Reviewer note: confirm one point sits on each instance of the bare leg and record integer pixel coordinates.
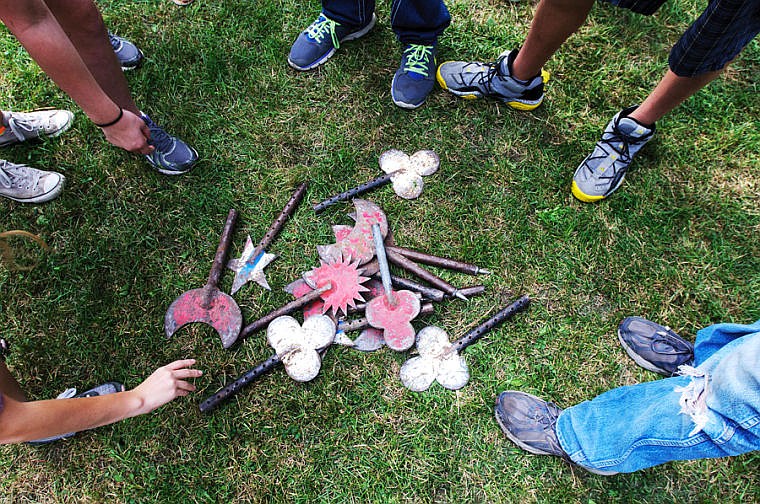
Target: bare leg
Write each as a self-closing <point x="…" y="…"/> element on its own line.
<point x="553" y="22"/>
<point x="8" y="384"/>
<point x="83" y="24"/>
<point x="669" y="93"/>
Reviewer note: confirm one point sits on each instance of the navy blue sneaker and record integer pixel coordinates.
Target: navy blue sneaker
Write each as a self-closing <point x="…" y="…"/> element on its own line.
<point x="654" y="347"/>
<point x="172" y="156"/>
<point x="128" y="54"/>
<point x="317" y="43"/>
<point x="414" y="79"/>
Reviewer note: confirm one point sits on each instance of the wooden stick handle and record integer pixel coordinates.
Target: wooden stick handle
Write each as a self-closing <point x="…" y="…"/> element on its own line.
<point x="221" y="251"/>
<point x="274" y="229"/>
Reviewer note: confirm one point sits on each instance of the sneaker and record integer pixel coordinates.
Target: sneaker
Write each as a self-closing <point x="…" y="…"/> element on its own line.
<point x="472" y="80"/>
<point x="128" y="54"/>
<point x="22" y="126"/>
<point x="654" y="347"/>
<point x="29" y="185"/>
<point x="602" y="172"/>
<point x="530" y="423"/>
<point x="104" y="389"/>
<point x="413" y="80"/>
<point x="317" y="43"/>
<point x="172" y="156"/>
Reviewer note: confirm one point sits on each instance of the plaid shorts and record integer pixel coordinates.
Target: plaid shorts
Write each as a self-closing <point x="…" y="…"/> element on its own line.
<point x="713" y="40"/>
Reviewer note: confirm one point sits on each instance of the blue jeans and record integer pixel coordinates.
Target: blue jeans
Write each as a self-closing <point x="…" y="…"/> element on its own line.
<point x="413" y="21"/>
<point x="713" y="410"/>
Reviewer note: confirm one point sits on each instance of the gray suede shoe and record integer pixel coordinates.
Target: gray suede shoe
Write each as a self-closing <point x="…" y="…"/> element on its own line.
<point x="654" y="347"/>
<point x="531" y="423"/>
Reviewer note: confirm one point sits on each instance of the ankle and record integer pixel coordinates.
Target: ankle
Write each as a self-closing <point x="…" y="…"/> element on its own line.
<point x="519" y="69"/>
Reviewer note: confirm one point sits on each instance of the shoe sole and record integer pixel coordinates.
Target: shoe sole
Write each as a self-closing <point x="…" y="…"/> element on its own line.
<point x="523" y="105"/>
<point x="580" y="195"/>
<point x="163" y="171"/>
<point x="348" y="38"/>
<point x="640" y="360"/>
<point x="587" y="198"/>
<point x="135" y="66"/>
<point x="535" y="451"/>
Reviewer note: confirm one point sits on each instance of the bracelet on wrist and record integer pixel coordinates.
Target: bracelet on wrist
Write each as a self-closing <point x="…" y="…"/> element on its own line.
<point x="118" y="118"/>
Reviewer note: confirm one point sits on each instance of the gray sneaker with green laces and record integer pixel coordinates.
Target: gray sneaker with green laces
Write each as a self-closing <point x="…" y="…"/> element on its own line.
<point x="22" y="126"/>
<point x="29" y="185"/>
<point x="413" y="81"/>
<point x="317" y="43"/>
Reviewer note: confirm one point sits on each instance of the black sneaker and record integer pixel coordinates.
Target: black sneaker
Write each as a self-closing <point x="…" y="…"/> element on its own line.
<point x="531" y="423"/>
<point x="654" y="347"/>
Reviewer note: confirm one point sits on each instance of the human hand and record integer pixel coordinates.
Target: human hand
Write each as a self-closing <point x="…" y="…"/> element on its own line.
<point x="130" y="133"/>
<point x="164" y="385"/>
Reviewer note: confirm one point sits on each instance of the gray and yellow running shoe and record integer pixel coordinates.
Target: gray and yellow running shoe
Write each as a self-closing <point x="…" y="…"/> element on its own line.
<point x="471" y="80"/>
<point x="602" y="172"/>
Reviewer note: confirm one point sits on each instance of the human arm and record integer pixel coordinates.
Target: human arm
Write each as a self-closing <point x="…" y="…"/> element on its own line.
<point x="26" y="421"/>
<point x="40" y="32"/>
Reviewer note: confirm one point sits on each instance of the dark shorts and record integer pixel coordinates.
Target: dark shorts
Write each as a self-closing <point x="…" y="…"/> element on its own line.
<point x="713" y="40"/>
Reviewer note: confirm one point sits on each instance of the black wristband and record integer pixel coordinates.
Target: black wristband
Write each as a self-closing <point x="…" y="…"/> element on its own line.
<point x="118" y="118"/>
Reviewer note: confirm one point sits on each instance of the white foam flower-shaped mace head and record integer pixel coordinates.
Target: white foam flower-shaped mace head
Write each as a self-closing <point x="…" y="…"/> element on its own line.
<point x="438" y="361"/>
<point x="407" y="171"/>
<point x="297" y="345"/>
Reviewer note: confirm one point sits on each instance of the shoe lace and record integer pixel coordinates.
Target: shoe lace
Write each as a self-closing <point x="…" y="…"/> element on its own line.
<point x="11" y="174"/>
<point x="618" y="145"/>
<point x="24" y="126"/>
<point x="159" y="138"/>
<point x="546" y="417"/>
<point x="115" y="42"/>
<point x="418" y="59"/>
<point x="485" y="79"/>
<point x="321" y="27"/>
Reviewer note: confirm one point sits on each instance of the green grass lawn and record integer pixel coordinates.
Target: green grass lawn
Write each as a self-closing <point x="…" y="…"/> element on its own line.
<point x="678" y="244"/>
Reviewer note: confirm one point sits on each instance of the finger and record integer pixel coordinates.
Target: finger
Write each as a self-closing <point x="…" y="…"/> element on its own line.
<point x="183" y="385"/>
<point x="182" y="393"/>
<point x="187" y="373"/>
<point x="178" y="364"/>
<point x="145" y="130"/>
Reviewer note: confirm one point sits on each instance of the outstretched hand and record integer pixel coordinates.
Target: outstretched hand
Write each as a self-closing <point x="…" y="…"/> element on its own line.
<point x="165" y="384"/>
<point x="130" y="133"/>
